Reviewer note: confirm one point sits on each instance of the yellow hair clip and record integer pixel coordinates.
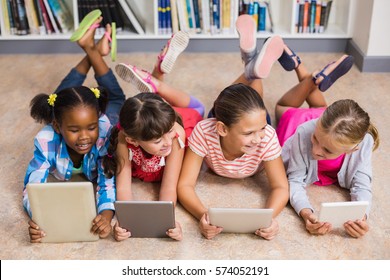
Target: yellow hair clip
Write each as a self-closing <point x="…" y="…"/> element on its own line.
<point x="52" y="99"/>
<point x="96" y="91"/>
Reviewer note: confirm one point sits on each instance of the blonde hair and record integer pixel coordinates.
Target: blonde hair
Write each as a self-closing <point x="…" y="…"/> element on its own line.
<point x="347" y="123"/>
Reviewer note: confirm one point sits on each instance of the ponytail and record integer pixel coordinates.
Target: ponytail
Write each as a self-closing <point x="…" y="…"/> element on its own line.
<point x="375" y="134"/>
<point x="40" y="109"/>
<point x="46" y="108"/>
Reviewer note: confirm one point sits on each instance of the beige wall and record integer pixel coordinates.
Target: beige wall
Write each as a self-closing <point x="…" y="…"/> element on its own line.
<point x="372" y="27"/>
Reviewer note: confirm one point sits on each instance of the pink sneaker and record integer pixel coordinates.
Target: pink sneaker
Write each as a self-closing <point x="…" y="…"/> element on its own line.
<point x="174" y="47"/>
<point x="246" y="29"/>
<point x="260" y="66"/>
<point x="129" y="74"/>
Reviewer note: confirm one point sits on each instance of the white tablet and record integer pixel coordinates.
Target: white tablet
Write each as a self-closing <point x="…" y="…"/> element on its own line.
<point x="63" y="210"/>
<point x="240" y="220"/>
<point x="337" y="213"/>
<point x="146" y="218"/>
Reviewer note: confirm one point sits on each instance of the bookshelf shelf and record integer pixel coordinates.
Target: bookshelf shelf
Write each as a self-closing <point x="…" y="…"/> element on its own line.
<point x="284" y="14"/>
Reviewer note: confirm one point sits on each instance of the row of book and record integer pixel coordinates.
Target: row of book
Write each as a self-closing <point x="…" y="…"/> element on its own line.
<point x="118" y="11"/>
<point x="22" y="17"/>
<point x="312" y="16"/>
<point x="209" y="16"/>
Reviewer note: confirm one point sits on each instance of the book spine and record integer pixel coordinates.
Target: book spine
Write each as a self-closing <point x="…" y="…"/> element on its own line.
<point x="328" y="8"/>
<point x="313" y="7"/>
<point x="256" y="11"/>
<point x="59" y="14"/>
<point x="41" y="24"/>
<point x="46" y="19"/>
<point x="305" y="16"/>
<point x="174" y="17"/>
<point x="262" y="17"/>
<point x="51" y="17"/>
<point x="196" y="16"/>
<point x="31" y="17"/>
<point x="318" y="17"/>
<point x="206" y="16"/>
<point x="169" y="17"/>
<point x="301" y="16"/>
<point x="323" y="15"/>
<point x="12" y="25"/>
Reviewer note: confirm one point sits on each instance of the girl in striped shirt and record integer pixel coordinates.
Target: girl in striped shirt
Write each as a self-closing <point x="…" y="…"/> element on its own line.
<point x="238" y="142"/>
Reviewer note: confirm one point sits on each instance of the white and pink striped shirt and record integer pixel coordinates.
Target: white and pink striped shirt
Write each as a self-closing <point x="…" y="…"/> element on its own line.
<point x="204" y="141"/>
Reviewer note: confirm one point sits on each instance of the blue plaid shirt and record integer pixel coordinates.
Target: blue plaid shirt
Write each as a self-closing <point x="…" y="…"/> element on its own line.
<point x="51" y="157"/>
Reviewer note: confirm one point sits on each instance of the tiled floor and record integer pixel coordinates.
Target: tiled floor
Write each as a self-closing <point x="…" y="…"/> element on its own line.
<point x="203" y="75"/>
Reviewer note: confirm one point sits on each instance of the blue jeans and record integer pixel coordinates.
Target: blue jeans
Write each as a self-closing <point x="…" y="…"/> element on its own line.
<point x="116" y="97"/>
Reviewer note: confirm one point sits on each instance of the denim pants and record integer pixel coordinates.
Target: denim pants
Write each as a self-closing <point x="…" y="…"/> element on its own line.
<point x="116" y="97"/>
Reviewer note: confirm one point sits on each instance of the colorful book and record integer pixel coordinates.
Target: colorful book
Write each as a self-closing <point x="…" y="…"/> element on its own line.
<point x="46" y="20"/>
<point x="313" y="7"/>
<point x="318" y="18"/>
<point x="20" y="17"/>
<point x="62" y="15"/>
<point x="195" y="7"/>
<point x="51" y="17"/>
<point x="169" y="17"/>
<point x="174" y="17"/>
<point x="262" y="17"/>
<point x="32" y="17"/>
<point x="41" y="24"/>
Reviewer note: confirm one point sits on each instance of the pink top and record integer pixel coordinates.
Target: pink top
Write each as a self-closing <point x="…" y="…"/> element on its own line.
<point x="204" y="141"/>
<point x="327" y="171"/>
<point x="292" y="118"/>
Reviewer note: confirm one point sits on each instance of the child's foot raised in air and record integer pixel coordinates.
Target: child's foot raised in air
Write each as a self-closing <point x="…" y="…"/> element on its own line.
<point x="170" y="52"/>
<point x="103" y="45"/>
<point x="141" y="79"/>
<point x="88" y="41"/>
<point x="289" y="59"/>
<point x="325" y="78"/>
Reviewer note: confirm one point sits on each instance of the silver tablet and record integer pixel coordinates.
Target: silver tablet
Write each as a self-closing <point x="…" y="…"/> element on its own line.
<point x="64" y="210"/>
<point x="337" y="213"/>
<point x="146" y="218"/>
<point x="240" y="220"/>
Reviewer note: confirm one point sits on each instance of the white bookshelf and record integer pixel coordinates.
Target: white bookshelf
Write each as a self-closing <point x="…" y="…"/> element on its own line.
<point x="283" y="13"/>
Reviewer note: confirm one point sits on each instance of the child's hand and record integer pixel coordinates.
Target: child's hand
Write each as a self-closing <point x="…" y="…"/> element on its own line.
<point x="102" y="224"/>
<point x="269" y="232"/>
<point x="175" y="233"/>
<point x="312" y="224"/>
<point x="35" y="233"/>
<point x="120" y="234"/>
<point x="208" y="230"/>
<point x="356" y="228"/>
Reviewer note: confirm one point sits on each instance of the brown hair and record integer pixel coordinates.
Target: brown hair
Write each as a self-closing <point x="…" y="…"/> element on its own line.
<point x="235" y="101"/>
<point x="145" y="117"/>
<point x="348" y="123"/>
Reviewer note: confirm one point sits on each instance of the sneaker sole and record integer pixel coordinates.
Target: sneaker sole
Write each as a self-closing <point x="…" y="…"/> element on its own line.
<point x="177" y="45"/>
<point x="246" y="28"/>
<point x="270" y="53"/>
<point x="130" y="76"/>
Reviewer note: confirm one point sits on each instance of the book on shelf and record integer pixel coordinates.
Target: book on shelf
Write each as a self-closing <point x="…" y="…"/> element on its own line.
<point x="168" y="17"/>
<point x="41" y="23"/>
<point x="312" y="15"/>
<point x="62" y="15"/>
<point x="135" y="24"/>
<point x="195" y="9"/>
<point x="46" y="20"/>
<point x="32" y="17"/>
<point x="174" y="17"/>
<point x="20" y="17"/>
<point x="51" y="17"/>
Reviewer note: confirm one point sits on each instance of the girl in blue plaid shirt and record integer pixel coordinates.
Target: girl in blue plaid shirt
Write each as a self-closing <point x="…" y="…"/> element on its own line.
<point x="74" y="139"/>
